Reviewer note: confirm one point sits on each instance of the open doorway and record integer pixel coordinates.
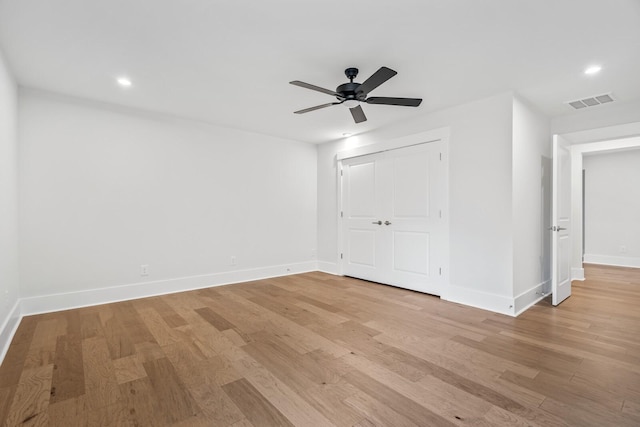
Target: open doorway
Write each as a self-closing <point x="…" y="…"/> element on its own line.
<point x="578" y="153"/>
<point x="611" y="207"/>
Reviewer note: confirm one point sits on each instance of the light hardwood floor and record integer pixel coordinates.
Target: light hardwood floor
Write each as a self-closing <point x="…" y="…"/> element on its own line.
<point x="320" y="350"/>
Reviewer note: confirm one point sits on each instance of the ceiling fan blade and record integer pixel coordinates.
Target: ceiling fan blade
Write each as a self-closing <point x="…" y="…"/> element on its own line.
<point x="406" y="102"/>
<point x="358" y="114"/>
<point x="379" y="77"/>
<point x="314" y="87"/>
<point x="317" y="107"/>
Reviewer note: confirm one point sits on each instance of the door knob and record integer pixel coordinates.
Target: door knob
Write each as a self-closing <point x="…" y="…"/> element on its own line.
<point x="387" y="223"/>
<point x="377" y="222"/>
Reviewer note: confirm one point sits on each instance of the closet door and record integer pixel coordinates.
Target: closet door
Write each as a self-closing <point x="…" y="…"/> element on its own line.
<point x="365" y="187"/>
<point x="393" y="230"/>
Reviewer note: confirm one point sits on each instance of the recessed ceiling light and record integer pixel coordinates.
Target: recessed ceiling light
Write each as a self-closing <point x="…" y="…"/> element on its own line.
<point x="594" y="69"/>
<point x="124" y="82"/>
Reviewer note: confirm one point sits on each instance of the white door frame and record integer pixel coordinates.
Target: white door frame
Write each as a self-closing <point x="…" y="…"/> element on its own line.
<point x="441" y="134"/>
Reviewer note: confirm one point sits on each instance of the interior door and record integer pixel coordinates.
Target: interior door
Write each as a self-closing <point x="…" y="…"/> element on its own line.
<point x="561" y="221"/>
<point x="362" y="232"/>
<point x="393" y="225"/>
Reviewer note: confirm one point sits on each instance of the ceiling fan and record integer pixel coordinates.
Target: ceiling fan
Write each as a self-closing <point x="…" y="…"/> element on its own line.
<point x="352" y="94"/>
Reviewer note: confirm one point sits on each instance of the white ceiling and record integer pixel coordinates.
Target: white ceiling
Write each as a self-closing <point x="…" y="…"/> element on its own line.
<point x="229" y="61"/>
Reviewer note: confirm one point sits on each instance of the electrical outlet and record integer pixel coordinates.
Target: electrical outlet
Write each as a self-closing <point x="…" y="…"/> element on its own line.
<point x="144" y="269"/>
<point x="623" y="249"/>
<point x="233" y="261"/>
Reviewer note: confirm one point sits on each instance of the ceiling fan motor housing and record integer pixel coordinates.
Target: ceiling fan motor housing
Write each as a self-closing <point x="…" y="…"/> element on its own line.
<point x="350" y="91"/>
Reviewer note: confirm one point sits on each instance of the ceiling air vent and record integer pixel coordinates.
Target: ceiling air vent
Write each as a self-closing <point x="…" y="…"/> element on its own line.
<point x="591" y="101"/>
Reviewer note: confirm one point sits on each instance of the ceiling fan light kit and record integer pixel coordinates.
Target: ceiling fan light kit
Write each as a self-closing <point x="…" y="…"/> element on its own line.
<point x="351" y="94"/>
<point x="350" y="103"/>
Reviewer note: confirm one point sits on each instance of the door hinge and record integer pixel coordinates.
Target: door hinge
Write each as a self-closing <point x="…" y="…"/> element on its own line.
<point x="341" y="172"/>
<point x="341" y="256"/>
<point x="341" y="214"/>
<point x="440" y="213"/>
<point x="440" y="156"/>
<point x="440" y="271"/>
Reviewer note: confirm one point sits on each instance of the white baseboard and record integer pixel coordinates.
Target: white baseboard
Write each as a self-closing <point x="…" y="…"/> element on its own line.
<point x="618" y="261"/>
<point x="486" y="301"/>
<point x="8" y="329"/>
<point x="577" y="274"/>
<point x="328" y="267"/>
<point x="89" y="297"/>
<point x="530" y="297"/>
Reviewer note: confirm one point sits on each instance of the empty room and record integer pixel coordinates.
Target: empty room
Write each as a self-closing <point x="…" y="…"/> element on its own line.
<point x="319" y="213"/>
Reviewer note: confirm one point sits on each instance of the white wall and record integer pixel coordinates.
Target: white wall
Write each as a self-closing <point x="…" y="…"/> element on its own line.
<point x="531" y="257"/>
<point x="480" y="213"/>
<point x="612" y="208"/>
<point x="105" y="190"/>
<point x="8" y="205"/>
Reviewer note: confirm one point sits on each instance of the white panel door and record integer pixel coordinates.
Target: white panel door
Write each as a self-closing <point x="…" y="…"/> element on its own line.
<point x="561" y="221"/>
<point x="362" y="235"/>
<point x="393" y="228"/>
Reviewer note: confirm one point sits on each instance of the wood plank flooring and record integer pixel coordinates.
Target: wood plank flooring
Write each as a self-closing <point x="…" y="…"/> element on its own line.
<point x="319" y="350"/>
